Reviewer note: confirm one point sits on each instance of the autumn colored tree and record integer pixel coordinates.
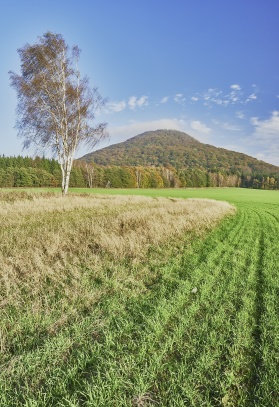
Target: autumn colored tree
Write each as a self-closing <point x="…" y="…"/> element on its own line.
<point x="55" y="105"/>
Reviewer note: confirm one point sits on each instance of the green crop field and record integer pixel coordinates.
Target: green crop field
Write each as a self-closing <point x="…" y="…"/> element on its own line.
<point x="192" y="320"/>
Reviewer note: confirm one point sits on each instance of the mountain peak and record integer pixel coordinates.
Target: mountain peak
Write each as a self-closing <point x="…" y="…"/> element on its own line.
<point x="163" y="133"/>
<point x="174" y="148"/>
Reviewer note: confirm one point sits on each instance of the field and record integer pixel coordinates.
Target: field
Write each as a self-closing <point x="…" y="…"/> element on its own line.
<point x="113" y="300"/>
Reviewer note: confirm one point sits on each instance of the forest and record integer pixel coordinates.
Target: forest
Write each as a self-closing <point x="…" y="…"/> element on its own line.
<point x="44" y="172"/>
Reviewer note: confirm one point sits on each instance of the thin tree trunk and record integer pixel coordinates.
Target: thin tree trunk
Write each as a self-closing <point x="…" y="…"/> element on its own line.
<point x="66" y="172"/>
<point x="63" y="179"/>
<point x="66" y="184"/>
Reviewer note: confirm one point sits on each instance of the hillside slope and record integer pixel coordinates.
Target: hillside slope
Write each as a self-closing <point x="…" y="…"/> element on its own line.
<point x="179" y="150"/>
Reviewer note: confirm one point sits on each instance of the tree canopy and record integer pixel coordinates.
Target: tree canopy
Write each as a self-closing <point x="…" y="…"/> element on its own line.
<point x="56" y="105"/>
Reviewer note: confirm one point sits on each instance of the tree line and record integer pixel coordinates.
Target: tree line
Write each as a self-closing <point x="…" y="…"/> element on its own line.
<point x="44" y="172"/>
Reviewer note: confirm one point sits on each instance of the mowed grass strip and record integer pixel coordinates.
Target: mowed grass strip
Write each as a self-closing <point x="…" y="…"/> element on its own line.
<point x="85" y="281"/>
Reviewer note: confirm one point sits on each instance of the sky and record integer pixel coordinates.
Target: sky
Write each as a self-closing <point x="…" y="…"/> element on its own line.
<point x="209" y="68"/>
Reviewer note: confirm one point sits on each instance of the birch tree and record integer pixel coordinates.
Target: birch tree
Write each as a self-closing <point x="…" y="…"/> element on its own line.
<point x="56" y="106"/>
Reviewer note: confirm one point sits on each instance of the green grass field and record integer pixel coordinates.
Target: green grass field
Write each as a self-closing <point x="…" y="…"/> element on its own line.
<point x="194" y="323"/>
<point x="235" y="195"/>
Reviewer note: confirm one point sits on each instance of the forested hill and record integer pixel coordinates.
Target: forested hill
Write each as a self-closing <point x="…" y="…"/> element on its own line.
<point x="156" y="159"/>
<point x="179" y="150"/>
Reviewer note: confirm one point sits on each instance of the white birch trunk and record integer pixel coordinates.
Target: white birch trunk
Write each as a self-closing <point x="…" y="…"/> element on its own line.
<point x="66" y="172"/>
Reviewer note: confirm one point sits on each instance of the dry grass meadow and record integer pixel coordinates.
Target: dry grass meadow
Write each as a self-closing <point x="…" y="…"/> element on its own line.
<point x="128" y="301"/>
<point x="45" y="237"/>
<point x="68" y="266"/>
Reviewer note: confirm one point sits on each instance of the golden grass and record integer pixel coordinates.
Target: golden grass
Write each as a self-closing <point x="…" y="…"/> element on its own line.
<point x="46" y="240"/>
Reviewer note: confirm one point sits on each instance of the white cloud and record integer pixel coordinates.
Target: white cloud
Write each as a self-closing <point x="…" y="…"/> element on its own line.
<point x="267" y="129"/>
<point x="234" y="95"/>
<point x="218" y="101"/>
<point x="235" y="87"/>
<point x="194" y="98"/>
<point x="178" y="98"/>
<point x="234" y="98"/>
<point x="200" y="127"/>
<point x="117" y="106"/>
<point x="133" y="102"/>
<point x="216" y="97"/>
<point x="164" y="100"/>
<point x="266" y="135"/>
<point x="211" y="93"/>
<point x="253" y="96"/>
<point x="142" y="101"/>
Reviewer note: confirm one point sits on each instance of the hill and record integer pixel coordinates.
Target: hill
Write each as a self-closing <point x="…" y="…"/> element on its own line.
<point x="171" y="148"/>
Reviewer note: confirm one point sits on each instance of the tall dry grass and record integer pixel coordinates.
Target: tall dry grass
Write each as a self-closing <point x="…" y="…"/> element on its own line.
<point x="43" y="237"/>
<point x="59" y="258"/>
<point x="53" y="250"/>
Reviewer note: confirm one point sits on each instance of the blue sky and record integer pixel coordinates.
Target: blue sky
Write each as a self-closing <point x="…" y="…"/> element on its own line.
<point x="206" y="67"/>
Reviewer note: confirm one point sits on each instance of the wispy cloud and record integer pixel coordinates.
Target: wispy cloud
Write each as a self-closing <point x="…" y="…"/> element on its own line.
<point x="213" y="96"/>
<point x="235" y="87"/>
<point x="133" y="102"/>
<point x="178" y="98"/>
<point x="236" y="95"/>
<point x="253" y="96"/>
<point x="267" y="129"/>
<point x="116" y="106"/>
<point x="266" y="134"/>
<point x="143" y="101"/>
<point x="200" y="127"/>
